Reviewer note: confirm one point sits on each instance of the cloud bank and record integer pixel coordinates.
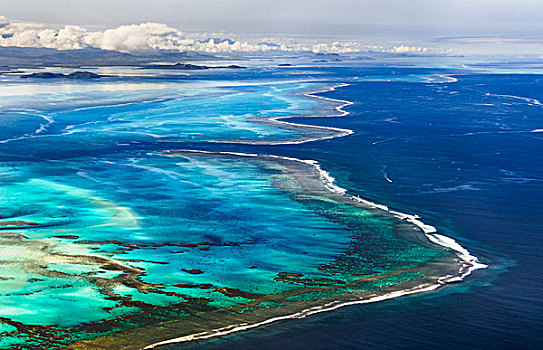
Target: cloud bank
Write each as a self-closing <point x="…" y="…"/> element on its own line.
<point x="156" y="36"/>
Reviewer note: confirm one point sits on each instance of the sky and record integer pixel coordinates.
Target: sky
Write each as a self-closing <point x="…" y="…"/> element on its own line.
<point x="338" y="26"/>
<point x="337" y="17"/>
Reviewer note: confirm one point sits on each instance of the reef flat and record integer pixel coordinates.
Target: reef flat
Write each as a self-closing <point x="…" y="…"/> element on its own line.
<point x="113" y="237"/>
<point x="275" y="243"/>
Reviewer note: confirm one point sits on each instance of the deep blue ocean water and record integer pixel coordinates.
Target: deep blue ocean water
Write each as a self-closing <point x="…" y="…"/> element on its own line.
<point x="467" y="161"/>
<point x="464" y="155"/>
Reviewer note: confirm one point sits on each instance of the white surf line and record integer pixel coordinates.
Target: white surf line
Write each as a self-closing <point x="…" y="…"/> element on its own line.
<point x="446" y="79"/>
<point x="122" y="104"/>
<point x="529" y="100"/>
<point x="302" y="314"/>
<point x="35" y="113"/>
<point x="339" y="132"/>
<point x="430" y="231"/>
<point x="43" y="127"/>
<point x="340" y="109"/>
<point x="497" y="132"/>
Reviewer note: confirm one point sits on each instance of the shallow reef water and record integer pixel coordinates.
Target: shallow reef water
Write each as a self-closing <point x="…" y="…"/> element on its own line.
<point x="115" y="233"/>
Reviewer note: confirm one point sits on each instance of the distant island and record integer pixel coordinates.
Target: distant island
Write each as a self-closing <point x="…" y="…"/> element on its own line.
<point x="74" y="75"/>
<point x="29" y="57"/>
<point x="188" y="66"/>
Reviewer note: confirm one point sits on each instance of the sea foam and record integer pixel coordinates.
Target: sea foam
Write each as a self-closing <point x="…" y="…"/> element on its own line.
<point x="471" y="262"/>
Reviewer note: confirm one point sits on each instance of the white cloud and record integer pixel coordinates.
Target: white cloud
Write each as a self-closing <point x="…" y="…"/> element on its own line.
<point x="155" y="36"/>
<point x="142" y="37"/>
<point x="408" y="49"/>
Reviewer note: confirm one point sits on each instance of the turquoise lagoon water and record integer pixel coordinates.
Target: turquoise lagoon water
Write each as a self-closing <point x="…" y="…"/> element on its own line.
<point x="165" y="111"/>
<point x="103" y="233"/>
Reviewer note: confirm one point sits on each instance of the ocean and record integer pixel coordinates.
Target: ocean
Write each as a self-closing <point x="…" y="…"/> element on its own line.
<point x="466" y="156"/>
<point x="125" y="226"/>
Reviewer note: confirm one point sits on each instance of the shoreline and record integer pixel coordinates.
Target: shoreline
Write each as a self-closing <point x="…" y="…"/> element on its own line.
<point x="470" y="262"/>
<point x="333" y="132"/>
